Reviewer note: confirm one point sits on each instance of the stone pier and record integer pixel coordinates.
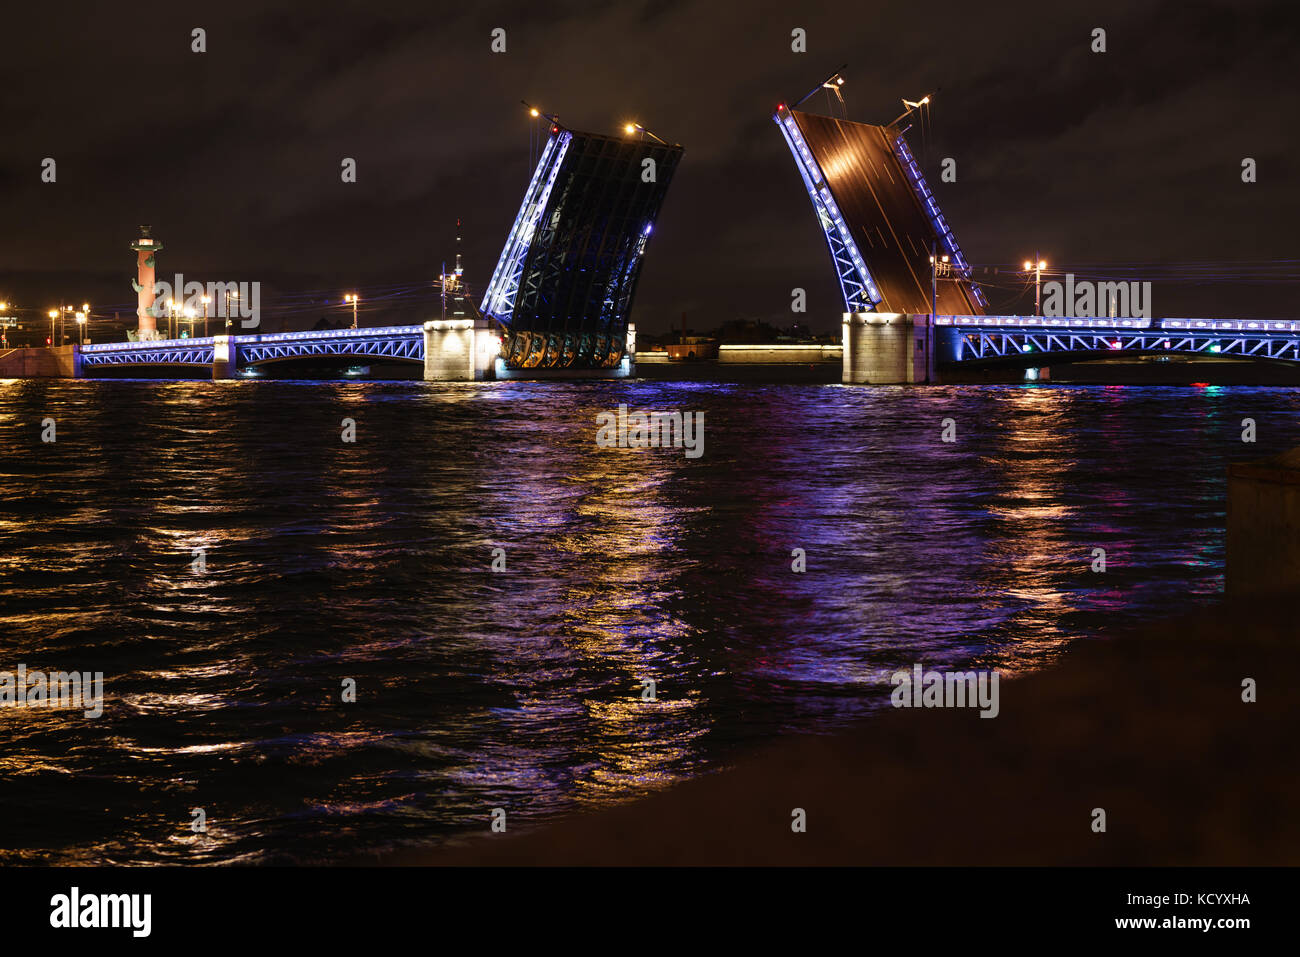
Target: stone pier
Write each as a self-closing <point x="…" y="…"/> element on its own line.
<point x="887" y="348"/>
<point x="459" y="350"/>
<point x="225" y="358"/>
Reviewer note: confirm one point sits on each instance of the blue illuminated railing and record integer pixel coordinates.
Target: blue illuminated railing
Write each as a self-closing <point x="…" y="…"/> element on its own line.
<point x="499" y="298"/>
<point x="965" y="339"/>
<point x="931" y="207"/>
<point x="390" y="342"/>
<point x="856" y="285"/>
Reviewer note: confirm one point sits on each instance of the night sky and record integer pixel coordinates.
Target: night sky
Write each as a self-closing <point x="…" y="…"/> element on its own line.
<point x="1125" y="164"/>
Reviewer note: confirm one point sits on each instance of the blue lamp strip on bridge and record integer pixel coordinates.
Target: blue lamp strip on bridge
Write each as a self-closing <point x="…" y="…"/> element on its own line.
<point x="856" y="285"/>
<point x="931" y="208"/>
<point x="499" y="299"/>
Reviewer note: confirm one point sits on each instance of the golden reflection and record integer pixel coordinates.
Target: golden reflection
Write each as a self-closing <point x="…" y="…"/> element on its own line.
<point x="1033" y="453"/>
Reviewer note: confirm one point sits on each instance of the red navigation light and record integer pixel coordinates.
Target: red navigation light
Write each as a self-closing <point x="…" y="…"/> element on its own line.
<point x="555" y="129"/>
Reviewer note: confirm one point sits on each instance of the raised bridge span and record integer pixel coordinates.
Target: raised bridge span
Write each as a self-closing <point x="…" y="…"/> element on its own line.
<point x="911" y="304"/>
<point x="558" y="304"/>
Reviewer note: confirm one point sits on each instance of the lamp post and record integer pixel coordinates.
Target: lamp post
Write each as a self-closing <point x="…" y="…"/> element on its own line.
<point x="352" y="297"/>
<point x="230" y="294"/>
<point x="189" y="315"/>
<point x="631" y="128"/>
<point x="81" y="328"/>
<point x="206" y="301"/>
<point x="54" y="314"/>
<point x="1038" y="265"/>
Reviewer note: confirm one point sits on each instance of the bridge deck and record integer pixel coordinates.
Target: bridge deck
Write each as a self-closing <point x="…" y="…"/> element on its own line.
<point x="401" y="343"/>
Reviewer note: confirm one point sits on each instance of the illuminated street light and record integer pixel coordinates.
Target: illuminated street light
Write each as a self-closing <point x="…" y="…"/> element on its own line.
<point x="1037" y="265"/>
<point x="638" y="128"/>
<point x="352" y="297"/>
<point x="207" y="300"/>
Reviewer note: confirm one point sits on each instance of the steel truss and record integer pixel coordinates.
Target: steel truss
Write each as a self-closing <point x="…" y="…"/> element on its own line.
<point x="931" y="207"/>
<point x="988" y="345"/>
<point x="499" y="298"/>
<point x="856" y="285"/>
<point x="390" y="342"/>
<point x="181" y="352"/>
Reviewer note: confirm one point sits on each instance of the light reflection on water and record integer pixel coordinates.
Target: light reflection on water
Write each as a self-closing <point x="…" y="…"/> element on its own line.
<point x="327" y="560"/>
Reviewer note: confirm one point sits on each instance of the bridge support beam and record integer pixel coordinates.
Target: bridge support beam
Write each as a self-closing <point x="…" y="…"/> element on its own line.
<point x="225" y="358"/>
<point x="459" y="350"/>
<point x="887" y="348"/>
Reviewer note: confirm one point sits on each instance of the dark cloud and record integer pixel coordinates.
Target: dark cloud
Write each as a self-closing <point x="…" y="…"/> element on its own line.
<point x="233" y="155"/>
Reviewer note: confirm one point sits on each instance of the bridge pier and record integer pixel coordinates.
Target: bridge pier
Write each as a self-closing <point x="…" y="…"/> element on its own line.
<point x="459" y="350"/>
<point x="225" y="358"/>
<point x="887" y="348"/>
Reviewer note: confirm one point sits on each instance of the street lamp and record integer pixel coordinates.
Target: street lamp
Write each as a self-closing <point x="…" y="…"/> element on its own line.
<point x="54" y="314"/>
<point x="189" y="314"/>
<point x="81" y="328"/>
<point x="230" y="294"/>
<point x="206" y="301"/>
<point x="352" y="297"/>
<point x="1038" y="265"/>
<point x="631" y="128"/>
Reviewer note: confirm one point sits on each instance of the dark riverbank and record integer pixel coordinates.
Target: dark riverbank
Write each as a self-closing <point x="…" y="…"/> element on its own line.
<point x="1150" y="726"/>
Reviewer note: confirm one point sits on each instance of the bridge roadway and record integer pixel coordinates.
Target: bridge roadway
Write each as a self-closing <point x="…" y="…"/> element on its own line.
<point x="400" y="343"/>
<point x="958" y="341"/>
<point x="993" y="340"/>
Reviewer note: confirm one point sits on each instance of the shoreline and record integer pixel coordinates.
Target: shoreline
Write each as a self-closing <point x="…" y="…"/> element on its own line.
<point x="1148" y="725"/>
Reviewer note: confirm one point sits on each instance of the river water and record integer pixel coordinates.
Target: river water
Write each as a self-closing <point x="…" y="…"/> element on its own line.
<point x="326" y="563"/>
